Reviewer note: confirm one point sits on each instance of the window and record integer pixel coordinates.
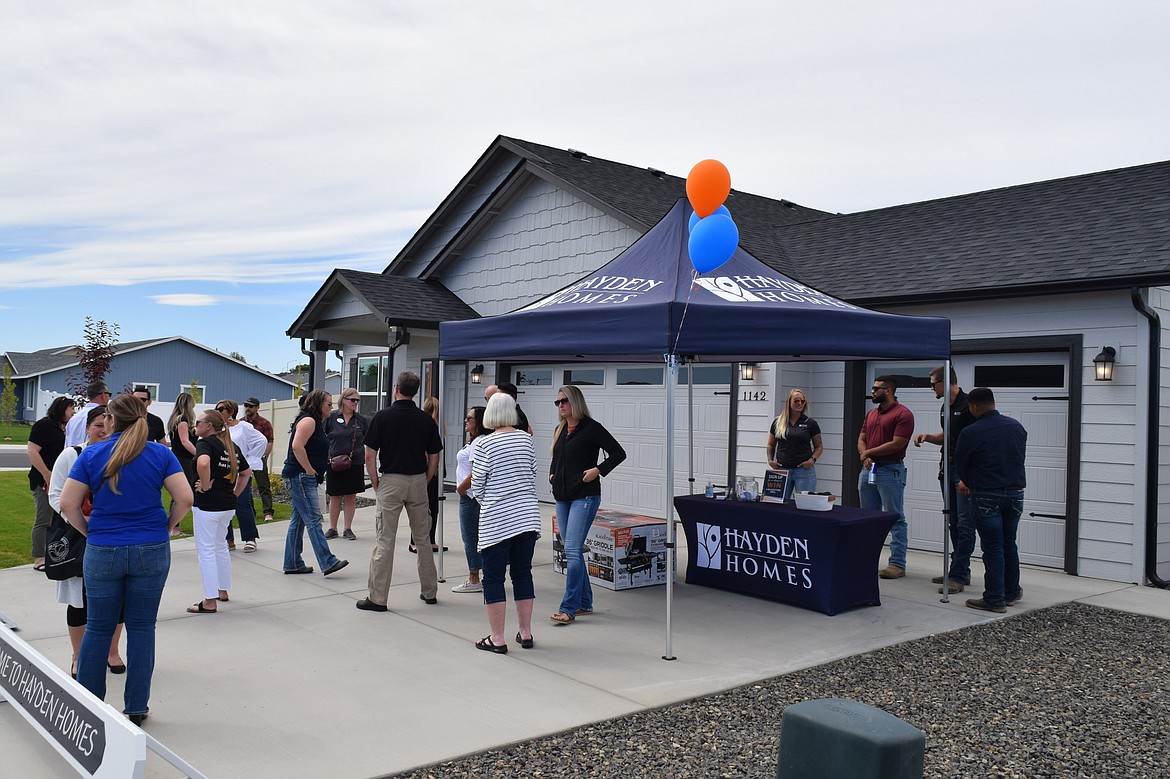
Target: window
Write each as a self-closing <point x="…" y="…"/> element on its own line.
<point x="1019" y="376"/>
<point x="586" y="377"/>
<point x="533" y="378"/>
<point x="368" y="374"/>
<point x="628" y="377"/>
<point x="151" y="387"/>
<point x="705" y="374"/>
<point x="198" y="391"/>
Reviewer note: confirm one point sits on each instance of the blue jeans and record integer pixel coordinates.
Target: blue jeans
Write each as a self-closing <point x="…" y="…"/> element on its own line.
<point x="515" y="554"/>
<point x="962" y="527"/>
<point x="306" y="515"/>
<point x="887" y="493"/>
<point x="800" y="480"/>
<point x="997" y="518"/>
<point x="115" y="577"/>
<point x="245" y="516"/>
<point x="469" y="527"/>
<point x="574" y="519"/>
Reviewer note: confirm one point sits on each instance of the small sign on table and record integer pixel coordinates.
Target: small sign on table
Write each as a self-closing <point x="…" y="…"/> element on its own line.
<point x="774" y="483"/>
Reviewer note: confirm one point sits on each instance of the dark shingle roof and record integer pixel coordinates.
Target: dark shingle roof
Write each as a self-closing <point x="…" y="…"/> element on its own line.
<point x="645" y="197"/>
<point x="408" y="301"/>
<point x="45" y="360"/>
<point x="1109" y="229"/>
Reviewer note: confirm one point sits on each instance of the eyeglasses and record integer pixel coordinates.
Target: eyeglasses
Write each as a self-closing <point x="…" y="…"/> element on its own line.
<point x="560" y="401"/>
<point x="469" y="419"/>
<point x="798" y="400"/>
<point x="221" y="409"/>
<point x="351" y="397"/>
<point x="935" y="383"/>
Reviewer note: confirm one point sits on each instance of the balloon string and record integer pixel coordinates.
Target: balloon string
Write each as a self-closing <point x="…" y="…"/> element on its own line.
<point x="683" y="318"/>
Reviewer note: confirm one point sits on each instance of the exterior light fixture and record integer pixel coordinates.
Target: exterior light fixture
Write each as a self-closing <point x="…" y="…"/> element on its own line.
<point x="747" y="371"/>
<point x="1103" y="363"/>
<point x="477" y="374"/>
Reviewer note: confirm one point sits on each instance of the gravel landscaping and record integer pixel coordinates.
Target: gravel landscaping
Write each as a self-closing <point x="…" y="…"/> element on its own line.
<point x="1067" y="691"/>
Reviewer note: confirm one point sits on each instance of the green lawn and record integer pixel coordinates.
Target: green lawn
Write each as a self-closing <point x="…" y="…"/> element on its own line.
<point x="17" y="512"/>
<point x="12" y="433"/>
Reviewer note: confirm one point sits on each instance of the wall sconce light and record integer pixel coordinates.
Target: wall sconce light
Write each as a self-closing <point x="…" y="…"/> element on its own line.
<point x="747" y="371"/>
<point x="1103" y="363"/>
<point x="477" y="374"/>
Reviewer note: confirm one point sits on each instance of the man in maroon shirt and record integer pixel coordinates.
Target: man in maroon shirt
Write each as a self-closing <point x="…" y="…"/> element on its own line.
<point x="885" y="434"/>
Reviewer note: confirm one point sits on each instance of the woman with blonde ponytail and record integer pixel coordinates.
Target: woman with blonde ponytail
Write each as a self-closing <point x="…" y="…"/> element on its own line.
<point x="223" y="473"/>
<point x="128" y="553"/>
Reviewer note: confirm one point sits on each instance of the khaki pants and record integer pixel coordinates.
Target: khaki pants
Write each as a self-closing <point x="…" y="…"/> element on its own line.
<point x="395" y="492"/>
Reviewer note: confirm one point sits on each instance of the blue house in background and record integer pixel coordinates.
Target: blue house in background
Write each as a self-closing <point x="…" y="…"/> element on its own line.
<point x="165" y="366"/>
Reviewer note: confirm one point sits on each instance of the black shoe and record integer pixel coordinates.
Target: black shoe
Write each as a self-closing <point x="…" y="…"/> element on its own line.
<point x="1019" y="597"/>
<point x="116" y="669"/>
<point x="331" y="533"/>
<point x="302" y="569"/>
<point x="429" y="601"/>
<point x="337" y="566"/>
<point x="365" y="604"/>
<point x="982" y="605"/>
<point x="526" y="643"/>
<point x="137" y="718"/>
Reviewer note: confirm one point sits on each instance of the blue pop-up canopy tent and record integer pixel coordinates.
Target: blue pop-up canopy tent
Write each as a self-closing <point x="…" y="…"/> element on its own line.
<point x="646" y="305"/>
<point x="641" y="305"/>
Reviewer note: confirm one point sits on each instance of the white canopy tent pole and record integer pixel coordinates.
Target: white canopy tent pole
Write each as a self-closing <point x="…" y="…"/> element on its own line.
<point x="690" y="427"/>
<point x="442" y="487"/>
<point x="946" y="475"/>
<point x="671" y="378"/>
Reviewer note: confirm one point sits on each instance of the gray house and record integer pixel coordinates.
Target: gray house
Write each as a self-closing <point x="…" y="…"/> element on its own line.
<point x="1037" y="280"/>
<point x="165" y="366"/>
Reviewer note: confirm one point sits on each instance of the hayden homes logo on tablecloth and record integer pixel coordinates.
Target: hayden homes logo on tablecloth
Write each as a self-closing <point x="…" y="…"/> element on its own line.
<point x="783" y="559"/>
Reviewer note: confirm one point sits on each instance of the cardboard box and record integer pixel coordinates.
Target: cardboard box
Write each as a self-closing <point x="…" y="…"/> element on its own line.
<point x="621" y="550"/>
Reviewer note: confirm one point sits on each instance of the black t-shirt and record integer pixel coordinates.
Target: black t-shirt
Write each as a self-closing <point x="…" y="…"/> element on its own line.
<point x="960" y="418"/>
<point x="48" y="435"/>
<point x="797" y="446"/>
<point x="222" y="495"/>
<point x="177" y="447"/>
<point x="403" y="435"/>
<point x="521" y="419"/>
<point x="156" y="430"/>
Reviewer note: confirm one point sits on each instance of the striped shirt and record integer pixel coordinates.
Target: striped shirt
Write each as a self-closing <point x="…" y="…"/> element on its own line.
<point x="503" y="478"/>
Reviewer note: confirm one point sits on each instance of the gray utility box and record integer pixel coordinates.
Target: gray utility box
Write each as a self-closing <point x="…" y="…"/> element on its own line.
<point x="834" y="738"/>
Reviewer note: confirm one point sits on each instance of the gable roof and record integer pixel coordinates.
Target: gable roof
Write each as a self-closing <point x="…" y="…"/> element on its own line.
<point x="635" y="196"/>
<point x="28" y="364"/>
<point x="389" y="300"/>
<point x="1109" y="229"/>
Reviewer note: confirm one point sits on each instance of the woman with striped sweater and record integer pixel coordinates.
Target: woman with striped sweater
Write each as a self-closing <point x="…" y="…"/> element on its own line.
<point x="503" y="480"/>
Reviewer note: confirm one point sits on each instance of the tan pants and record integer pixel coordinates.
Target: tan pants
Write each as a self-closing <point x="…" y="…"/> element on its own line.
<point x="396" y="491"/>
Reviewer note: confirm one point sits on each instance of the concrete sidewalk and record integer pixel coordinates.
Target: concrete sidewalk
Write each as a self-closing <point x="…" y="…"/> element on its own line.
<point x="289" y="678"/>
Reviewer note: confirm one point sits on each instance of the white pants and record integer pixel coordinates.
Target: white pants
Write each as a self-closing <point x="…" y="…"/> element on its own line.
<point x="215" y="565"/>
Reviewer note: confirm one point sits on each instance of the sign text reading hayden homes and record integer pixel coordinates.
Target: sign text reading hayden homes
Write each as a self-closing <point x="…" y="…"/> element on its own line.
<point x="779" y="558"/>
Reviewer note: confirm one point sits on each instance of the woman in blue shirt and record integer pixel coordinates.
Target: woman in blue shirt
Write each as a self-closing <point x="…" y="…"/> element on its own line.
<point x="128" y="550"/>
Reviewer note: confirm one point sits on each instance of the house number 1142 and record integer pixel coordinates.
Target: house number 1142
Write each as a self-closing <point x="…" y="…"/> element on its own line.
<point x="754" y="395"/>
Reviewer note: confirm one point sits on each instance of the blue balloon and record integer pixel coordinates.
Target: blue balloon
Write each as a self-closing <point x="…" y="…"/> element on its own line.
<point x="695" y="216"/>
<point x="712" y="242"/>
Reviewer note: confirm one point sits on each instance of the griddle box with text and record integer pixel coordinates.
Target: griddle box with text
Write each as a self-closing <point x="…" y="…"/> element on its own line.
<point x="621" y="550"/>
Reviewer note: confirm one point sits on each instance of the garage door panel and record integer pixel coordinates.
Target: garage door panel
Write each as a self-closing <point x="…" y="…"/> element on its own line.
<point x="649" y="455"/>
<point x="1046" y="429"/>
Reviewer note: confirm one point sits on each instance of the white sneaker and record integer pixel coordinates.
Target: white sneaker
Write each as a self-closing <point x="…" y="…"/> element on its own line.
<point x="468" y="586"/>
<point x="249" y="546"/>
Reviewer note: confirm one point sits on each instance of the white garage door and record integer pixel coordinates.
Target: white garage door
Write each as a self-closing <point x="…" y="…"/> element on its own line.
<point x="1032" y="388"/>
<point x="630" y="400"/>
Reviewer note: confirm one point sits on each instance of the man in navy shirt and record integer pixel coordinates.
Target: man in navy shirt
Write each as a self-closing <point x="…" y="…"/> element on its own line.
<point x="990" y="461"/>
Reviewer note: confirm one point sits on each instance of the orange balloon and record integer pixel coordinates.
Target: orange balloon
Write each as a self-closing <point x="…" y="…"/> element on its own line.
<point x="708" y="185"/>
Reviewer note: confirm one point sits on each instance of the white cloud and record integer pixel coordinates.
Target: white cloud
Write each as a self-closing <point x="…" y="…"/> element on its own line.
<point x="184" y="300"/>
<point x="263" y="141"/>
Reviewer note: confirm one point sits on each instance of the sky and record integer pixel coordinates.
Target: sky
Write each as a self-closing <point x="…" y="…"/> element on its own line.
<point x="199" y="169"/>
